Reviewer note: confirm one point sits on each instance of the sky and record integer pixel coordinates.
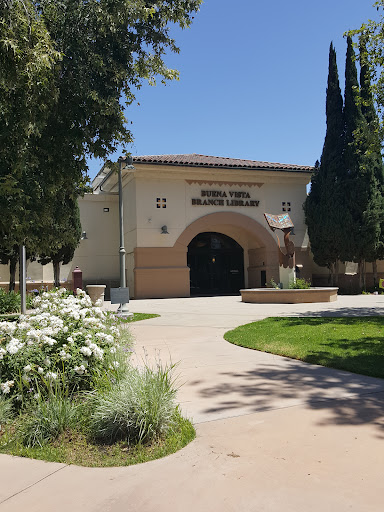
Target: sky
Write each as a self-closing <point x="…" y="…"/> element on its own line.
<point x="253" y="77"/>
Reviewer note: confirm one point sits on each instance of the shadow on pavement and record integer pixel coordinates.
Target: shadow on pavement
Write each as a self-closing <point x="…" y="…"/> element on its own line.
<point x="343" y="312"/>
<point x="349" y="399"/>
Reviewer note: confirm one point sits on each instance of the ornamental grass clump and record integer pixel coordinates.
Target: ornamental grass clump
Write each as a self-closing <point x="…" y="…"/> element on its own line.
<point x="65" y="342"/>
<point x="48" y="419"/>
<point x="139" y="409"/>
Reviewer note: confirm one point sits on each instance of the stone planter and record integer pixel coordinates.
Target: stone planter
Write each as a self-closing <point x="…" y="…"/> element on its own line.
<point x="287" y="296"/>
<point x="96" y="292"/>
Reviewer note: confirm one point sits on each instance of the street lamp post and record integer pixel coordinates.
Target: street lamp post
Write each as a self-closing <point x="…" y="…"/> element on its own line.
<point x="124" y="164"/>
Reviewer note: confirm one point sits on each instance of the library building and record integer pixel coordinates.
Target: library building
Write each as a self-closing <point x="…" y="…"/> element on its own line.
<point x="193" y="225"/>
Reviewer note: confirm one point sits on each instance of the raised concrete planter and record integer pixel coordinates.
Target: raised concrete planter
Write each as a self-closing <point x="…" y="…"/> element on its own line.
<point x="96" y="292"/>
<point x="273" y="296"/>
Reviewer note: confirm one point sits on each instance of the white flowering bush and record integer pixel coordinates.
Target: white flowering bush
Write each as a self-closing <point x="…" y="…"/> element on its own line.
<point x="65" y="342"/>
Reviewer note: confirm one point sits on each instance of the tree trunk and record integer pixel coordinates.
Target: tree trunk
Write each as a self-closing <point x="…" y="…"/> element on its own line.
<point x="336" y="277"/>
<point x="361" y="272"/>
<point x="374" y="270"/>
<point x="56" y="274"/>
<point x="12" y="274"/>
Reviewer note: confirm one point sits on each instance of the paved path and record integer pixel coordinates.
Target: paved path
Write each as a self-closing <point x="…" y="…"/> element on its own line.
<point x="272" y="434"/>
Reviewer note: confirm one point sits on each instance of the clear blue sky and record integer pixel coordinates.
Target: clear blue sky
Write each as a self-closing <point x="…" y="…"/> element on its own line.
<point x="252" y="83"/>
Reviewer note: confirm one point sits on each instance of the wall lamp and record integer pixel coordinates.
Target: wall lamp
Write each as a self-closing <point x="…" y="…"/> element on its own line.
<point x="164" y="230"/>
<point x="83" y="236"/>
<point x="126" y="163"/>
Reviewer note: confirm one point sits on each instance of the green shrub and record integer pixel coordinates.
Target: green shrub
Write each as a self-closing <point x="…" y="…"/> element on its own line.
<point x="138" y="409"/>
<point x="64" y="342"/>
<point x="300" y="284"/>
<point x="47" y="420"/>
<point x="9" y="302"/>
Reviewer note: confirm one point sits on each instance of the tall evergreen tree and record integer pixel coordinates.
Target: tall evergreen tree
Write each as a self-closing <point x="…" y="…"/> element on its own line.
<point x="375" y="210"/>
<point x="362" y="197"/>
<point x="322" y="212"/>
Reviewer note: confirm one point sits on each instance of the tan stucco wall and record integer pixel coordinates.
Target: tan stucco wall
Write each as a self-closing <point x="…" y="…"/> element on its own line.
<point x="156" y="264"/>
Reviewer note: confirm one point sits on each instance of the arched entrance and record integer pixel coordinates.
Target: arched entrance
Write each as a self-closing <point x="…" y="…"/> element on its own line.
<point x="216" y="264"/>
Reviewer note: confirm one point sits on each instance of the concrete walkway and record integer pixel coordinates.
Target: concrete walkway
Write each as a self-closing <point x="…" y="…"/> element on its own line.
<point x="272" y="434"/>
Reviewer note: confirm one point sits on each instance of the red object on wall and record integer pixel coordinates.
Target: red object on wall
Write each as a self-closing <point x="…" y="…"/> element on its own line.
<point x="77" y="279"/>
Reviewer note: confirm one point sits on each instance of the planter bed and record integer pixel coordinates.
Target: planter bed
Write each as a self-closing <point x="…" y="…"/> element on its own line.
<point x="288" y="296"/>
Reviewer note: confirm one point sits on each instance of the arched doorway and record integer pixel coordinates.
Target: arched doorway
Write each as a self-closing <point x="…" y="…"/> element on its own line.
<point x="216" y="264"/>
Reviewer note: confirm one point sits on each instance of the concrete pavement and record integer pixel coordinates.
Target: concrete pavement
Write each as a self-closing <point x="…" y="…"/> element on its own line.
<point x="272" y="434"/>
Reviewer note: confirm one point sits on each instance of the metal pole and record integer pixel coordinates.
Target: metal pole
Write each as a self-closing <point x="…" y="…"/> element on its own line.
<point x="123" y="309"/>
<point x="23" y="279"/>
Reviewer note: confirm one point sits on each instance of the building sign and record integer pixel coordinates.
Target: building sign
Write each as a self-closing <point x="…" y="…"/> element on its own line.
<point x="223" y="198"/>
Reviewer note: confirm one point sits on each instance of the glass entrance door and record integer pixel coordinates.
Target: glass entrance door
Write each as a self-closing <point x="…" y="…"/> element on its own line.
<point x="216" y="264"/>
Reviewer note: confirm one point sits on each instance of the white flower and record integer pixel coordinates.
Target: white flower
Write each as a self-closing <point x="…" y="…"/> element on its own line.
<point x="80" y="370"/>
<point x="27" y="368"/>
<point x="114" y="365"/>
<point x="8" y="327"/>
<point x="113" y="350"/>
<point x="2" y="353"/>
<point x="51" y="375"/>
<point x="6" y="386"/>
<point x="14" y="346"/>
<point x="40" y="370"/>
<point x="86" y="351"/>
<point x="47" y="361"/>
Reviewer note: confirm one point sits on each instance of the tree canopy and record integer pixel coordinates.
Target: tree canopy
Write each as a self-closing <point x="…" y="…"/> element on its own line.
<point x="68" y="69"/>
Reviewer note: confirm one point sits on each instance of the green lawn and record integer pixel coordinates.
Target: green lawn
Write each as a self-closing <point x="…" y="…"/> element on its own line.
<point x="353" y="344"/>
<point x="137" y="317"/>
<point x="73" y="447"/>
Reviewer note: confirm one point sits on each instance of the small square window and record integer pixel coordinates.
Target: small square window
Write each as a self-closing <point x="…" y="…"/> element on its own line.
<point x="161" y="202"/>
<point x="285" y="206"/>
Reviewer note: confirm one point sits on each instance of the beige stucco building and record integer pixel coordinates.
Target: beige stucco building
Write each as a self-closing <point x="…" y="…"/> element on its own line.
<point x="193" y="224"/>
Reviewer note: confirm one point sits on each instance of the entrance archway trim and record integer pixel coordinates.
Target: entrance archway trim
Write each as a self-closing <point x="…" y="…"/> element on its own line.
<point x="227" y="218"/>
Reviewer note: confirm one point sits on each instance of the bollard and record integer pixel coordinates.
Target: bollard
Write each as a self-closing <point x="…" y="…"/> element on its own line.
<point x="77" y="279"/>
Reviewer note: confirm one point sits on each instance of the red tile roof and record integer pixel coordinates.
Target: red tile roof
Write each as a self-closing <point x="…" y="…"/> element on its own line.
<point x="195" y="160"/>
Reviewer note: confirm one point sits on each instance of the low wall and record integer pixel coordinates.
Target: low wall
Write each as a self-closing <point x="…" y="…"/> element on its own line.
<point x="294" y="296"/>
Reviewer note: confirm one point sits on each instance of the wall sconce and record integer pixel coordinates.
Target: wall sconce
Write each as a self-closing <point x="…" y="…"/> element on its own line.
<point x="164" y="230"/>
<point x="83" y="236"/>
<point x="126" y="163"/>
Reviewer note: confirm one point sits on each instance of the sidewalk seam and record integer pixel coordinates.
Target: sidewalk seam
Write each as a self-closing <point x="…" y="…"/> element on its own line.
<point x="34" y="483"/>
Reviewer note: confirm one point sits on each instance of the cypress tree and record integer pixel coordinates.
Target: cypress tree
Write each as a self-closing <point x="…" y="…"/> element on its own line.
<point x="375" y="211"/>
<point x="362" y="196"/>
<point x="322" y="213"/>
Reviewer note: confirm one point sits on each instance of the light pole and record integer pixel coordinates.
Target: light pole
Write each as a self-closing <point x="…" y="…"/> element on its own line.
<point x="125" y="163"/>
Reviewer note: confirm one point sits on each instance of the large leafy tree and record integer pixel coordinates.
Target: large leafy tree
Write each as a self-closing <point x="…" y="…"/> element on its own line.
<point x="103" y="50"/>
<point x="27" y="89"/>
<point x="373" y="34"/>
<point x="323" y="215"/>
